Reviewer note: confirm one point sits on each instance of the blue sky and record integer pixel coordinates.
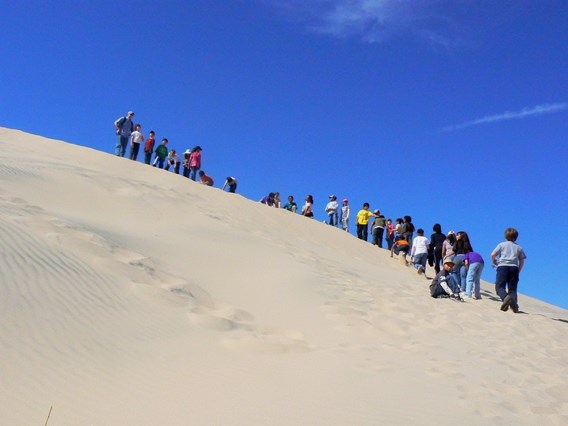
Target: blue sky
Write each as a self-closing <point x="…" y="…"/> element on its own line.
<point x="449" y="111"/>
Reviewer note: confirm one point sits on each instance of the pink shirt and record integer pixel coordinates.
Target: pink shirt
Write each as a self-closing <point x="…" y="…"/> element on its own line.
<point x="195" y="159"/>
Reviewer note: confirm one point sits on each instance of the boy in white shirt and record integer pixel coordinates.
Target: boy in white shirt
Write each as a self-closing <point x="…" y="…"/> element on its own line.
<point x="136" y="138"/>
<point x="419" y="252"/>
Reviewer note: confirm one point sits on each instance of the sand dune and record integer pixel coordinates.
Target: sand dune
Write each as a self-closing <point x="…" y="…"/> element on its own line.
<point x="132" y="296"/>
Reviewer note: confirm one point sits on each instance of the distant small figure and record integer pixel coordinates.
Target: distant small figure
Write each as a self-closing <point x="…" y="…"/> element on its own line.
<point x="390" y="234"/>
<point x="277" y="203"/>
<point x="268" y="200"/>
<point x="173" y="160"/>
<point x="194" y="162"/>
<point x="509" y="258"/>
<point x="419" y="251"/>
<point x="136" y="138"/>
<point x="308" y="208"/>
<point x="161" y="154"/>
<point x="345" y="213"/>
<point x="408" y="229"/>
<point x="362" y="221"/>
<point x="332" y="210"/>
<point x="231" y="183"/>
<point x="444" y="284"/>
<point x="474" y="265"/>
<point x="149" y="147"/>
<point x="186" y="156"/>
<point x="398" y="229"/>
<point x="378" y="229"/>
<point x="205" y="180"/>
<point x="291" y="205"/>
<point x="124" y="128"/>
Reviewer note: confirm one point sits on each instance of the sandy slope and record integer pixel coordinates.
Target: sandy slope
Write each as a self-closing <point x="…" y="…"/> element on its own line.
<point x="131" y="296"/>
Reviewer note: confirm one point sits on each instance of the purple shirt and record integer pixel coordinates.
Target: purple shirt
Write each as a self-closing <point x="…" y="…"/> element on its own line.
<point x="473" y="257"/>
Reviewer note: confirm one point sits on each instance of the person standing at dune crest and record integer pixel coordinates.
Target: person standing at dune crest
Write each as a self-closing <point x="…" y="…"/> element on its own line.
<point x="124" y="128"/>
<point x="362" y="221"/>
<point x="331" y="210"/>
<point x="308" y="208"/>
<point x="345" y="212"/>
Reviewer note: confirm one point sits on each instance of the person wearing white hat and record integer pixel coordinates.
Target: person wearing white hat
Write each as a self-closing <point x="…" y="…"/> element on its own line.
<point x="331" y="209"/>
<point x="186" y="155"/>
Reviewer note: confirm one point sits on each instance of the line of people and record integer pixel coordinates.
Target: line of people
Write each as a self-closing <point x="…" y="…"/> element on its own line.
<point x="458" y="267"/>
<point x="130" y="134"/>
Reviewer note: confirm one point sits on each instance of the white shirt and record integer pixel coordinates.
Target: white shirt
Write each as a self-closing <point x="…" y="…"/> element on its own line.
<point x="420" y="245"/>
<point x="331" y="207"/>
<point x="137" y="137"/>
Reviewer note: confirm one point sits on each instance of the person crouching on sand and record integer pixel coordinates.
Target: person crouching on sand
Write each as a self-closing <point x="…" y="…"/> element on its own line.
<point x="444" y="283"/>
<point x="205" y="180"/>
<point x="401" y="247"/>
<point x="231" y="183"/>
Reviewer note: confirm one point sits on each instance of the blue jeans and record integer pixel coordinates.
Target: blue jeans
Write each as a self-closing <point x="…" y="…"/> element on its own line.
<point x="506" y="282"/>
<point x="121" y="145"/>
<point x="333" y="219"/>
<point x="193" y="172"/>
<point x="459" y="270"/>
<point x="472" y="279"/>
<point x="420" y="260"/>
<point x="439" y="290"/>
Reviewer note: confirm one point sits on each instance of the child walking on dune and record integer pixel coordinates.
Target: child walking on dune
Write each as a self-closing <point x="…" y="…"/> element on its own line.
<point x="509" y="258"/>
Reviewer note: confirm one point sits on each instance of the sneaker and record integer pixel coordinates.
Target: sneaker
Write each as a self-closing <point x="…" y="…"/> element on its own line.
<point x="506" y="303"/>
<point x="420" y="270"/>
<point x="515" y="307"/>
<point x="456" y="297"/>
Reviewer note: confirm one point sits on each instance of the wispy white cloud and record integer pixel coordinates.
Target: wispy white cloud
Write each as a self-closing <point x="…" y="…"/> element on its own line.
<point x="373" y="21"/>
<point x="512" y="115"/>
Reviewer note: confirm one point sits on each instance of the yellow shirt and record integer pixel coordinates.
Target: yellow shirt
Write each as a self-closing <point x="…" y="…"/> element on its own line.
<point x="363" y="217"/>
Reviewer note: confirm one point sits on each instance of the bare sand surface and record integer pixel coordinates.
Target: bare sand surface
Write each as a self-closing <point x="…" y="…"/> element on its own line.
<point x="132" y="296"/>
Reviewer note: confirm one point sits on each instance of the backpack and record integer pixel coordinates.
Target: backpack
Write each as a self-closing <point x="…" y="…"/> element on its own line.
<point x="121" y="121"/>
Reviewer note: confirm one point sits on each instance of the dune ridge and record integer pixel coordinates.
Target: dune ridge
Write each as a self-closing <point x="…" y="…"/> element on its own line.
<point x="132" y="296"/>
